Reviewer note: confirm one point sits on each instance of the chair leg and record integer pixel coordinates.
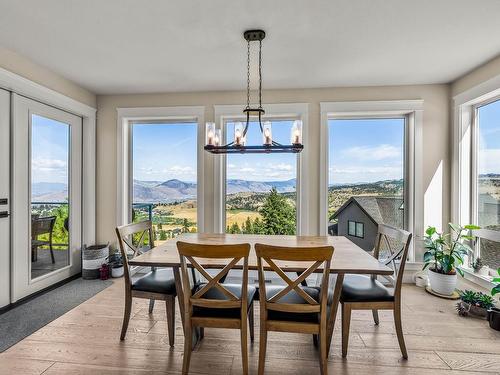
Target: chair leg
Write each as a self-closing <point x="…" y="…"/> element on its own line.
<point x="170" y="305"/>
<point x="126" y="315"/>
<point x="52" y="253"/>
<point x="323" y="356"/>
<point x="151" y="305"/>
<point x="346" y="322"/>
<point x="399" y="330"/>
<point x="315" y="340"/>
<point x="262" y="347"/>
<point x="188" y="346"/>
<point x="201" y="331"/>
<point x="251" y="321"/>
<point x="244" y="345"/>
<point x="375" y="317"/>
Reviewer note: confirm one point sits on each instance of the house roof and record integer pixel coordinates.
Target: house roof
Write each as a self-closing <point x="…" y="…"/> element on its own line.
<point x="381" y="210"/>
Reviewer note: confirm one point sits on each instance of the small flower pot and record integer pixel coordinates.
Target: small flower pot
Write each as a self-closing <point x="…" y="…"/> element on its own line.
<point x="117" y="271"/>
<point x="441" y="283"/>
<point x="494" y="318"/>
<point x="466" y="309"/>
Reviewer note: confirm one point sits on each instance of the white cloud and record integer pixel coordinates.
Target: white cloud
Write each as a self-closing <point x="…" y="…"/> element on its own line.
<point x="48" y="164"/>
<point x="489" y="161"/>
<point x="380" y="152"/>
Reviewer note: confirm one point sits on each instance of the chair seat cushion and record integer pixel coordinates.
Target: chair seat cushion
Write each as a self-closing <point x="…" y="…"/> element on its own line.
<point x="360" y="288"/>
<point x="158" y="281"/>
<point x="215" y="293"/>
<point x="292" y="297"/>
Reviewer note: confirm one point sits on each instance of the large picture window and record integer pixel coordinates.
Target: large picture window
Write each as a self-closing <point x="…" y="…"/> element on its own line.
<point x="164" y="176"/>
<point x="261" y="192"/>
<point x="366" y="177"/>
<point x="487" y="179"/>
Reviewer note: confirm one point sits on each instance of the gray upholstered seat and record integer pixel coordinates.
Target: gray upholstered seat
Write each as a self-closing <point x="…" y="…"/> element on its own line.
<point x="293" y="298"/>
<point x="157" y="281"/>
<point x="361" y="288"/>
<point x="215" y="293"/>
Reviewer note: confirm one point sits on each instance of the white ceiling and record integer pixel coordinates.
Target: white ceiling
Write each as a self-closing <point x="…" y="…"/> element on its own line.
<point x="132" y="46"/>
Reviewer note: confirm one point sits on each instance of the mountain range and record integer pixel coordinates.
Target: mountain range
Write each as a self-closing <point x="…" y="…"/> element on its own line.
<point x="175" y="190"/>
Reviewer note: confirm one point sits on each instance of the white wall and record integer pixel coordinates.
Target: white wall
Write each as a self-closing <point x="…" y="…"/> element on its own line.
<point x="436" y="139"/>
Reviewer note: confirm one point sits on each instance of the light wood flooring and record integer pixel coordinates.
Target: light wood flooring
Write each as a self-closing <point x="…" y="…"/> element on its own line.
<point x="86" y="341"/>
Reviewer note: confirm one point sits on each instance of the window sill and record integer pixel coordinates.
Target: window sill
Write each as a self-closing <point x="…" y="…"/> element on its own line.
<point x="483" y="281"/>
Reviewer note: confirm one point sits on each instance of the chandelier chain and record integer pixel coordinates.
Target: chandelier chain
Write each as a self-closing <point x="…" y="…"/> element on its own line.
<point x="260" y="73"/>
<point x="248" y="74"/>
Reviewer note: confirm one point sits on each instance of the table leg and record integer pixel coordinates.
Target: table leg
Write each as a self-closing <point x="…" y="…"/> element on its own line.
<point x="180" y="296"/>
<point x="333" y="310"/>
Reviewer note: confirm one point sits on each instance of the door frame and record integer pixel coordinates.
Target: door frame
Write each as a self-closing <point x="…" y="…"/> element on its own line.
<point x="23" y="86"/>
<point x="23" y="110"/>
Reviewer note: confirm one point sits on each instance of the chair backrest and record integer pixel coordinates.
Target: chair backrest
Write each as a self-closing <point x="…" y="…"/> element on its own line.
<point x="397" y="242"/>
<point x="318" y="256"/>
<point x="234" y="253"/>
<point x="43" y="225"/>
<point x="131" y="239"/>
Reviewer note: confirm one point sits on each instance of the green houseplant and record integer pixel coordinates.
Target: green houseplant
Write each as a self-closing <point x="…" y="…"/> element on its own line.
<point x="474" y="303"/>
<point x="496" y="288"/>
<point x="444" y="255"/>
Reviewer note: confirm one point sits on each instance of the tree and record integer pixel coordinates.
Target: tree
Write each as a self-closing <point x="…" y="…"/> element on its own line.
<point x="278" y="214"/>
<point x="160" y="227"/>
<point x="248" y="228"/>
<point x="234" y="229"/>
<point x="258" y="227"/>
<point x="163" y="235"/>
<point x="185" y="226"/>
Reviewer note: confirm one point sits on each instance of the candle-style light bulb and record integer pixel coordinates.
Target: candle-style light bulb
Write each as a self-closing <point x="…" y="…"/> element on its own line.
<point x="210" y="132"/>
<point x="217" y="137"/>
<point x="267" y="134"/>
<point x="238" y="133"/>
<point x="296" y="133"/>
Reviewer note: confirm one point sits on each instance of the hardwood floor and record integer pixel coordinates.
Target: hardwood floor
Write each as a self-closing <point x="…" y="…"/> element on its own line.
<point x="86" y="341"/>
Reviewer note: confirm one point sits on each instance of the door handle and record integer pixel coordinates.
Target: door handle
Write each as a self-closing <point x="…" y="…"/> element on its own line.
<point x="3" y="214"/>
<point x="3" y="201"/>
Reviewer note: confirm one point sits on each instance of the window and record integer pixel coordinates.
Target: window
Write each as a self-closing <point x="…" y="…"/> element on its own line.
<point x="366" y="175"/>
<point x="164" y="176"/>
<point x="486" y="179"/>
<point x="261" y="194"/>
<point x="355" y="229"/>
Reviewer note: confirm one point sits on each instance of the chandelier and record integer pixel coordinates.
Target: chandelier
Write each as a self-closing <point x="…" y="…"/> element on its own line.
<point x="213" y="142"/>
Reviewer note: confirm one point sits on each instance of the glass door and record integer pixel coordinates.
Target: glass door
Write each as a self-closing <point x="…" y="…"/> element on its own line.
<point x="46" y="196"/>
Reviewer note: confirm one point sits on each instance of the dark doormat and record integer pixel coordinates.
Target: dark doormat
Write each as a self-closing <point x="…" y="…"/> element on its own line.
<point x="23" y="320"/>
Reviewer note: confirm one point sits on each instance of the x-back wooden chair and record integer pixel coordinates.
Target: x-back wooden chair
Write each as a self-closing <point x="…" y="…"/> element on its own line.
<point x="361" y="292"/>
<point x="294" y="307"/>
<point x="212" y="303"/>
<point x="155" y="285"/>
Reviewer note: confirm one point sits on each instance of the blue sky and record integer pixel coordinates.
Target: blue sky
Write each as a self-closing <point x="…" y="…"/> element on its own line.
<point x="163" y="152"/>
<point x="365" y="150"/>
<point x="489" y="138"/>
<point x="49" y="150"/>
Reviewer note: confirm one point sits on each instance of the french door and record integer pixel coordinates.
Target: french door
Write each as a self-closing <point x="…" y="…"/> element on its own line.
<point x="4" y="198"/>
<point x="46" y="196"/>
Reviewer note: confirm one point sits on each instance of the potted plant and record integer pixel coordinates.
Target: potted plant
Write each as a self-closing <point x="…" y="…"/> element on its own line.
<point x="494" y="313"/>
<point x="474" y="303"/>
<point x="444" y="256"/>
<point x="116" y="264"/>
<point x="477" y="264"/>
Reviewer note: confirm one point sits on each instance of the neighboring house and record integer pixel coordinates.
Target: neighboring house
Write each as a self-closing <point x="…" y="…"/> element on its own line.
<point x="359" y="217"/>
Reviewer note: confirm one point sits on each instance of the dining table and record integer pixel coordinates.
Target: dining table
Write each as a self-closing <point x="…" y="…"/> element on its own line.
<point x="348" y="258"/>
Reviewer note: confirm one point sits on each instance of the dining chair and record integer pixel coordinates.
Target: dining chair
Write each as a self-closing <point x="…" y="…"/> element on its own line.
<point x="158" y="284"/>
<point x="214" y="304"/>
<point x="365" y="292"/>
<point x="39" y="226"/>
<point x="293" y="307"/>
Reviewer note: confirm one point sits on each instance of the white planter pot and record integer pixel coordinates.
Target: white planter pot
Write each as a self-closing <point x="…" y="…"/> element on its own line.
<point x="117" y="272"/>
<point x="442" y="284"/>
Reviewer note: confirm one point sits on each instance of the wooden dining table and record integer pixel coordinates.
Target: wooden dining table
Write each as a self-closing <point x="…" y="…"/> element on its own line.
<point x="348" y="258"/>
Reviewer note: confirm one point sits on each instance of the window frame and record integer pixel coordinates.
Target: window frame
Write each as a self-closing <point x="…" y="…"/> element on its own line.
<point x="412" y="111"/>
<point x="465" y="155"/>
<point x="284" y="112"/>
<point x="356" y="223"/>
<point x="129" y="116"/>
